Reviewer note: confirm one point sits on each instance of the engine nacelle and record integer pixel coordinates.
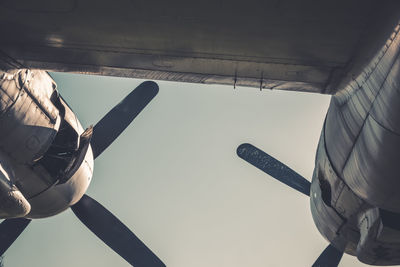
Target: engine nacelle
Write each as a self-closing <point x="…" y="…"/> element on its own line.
<point x="354" y="194"/>
<point x="47" y="148"/>
<point x="362" y="130"/>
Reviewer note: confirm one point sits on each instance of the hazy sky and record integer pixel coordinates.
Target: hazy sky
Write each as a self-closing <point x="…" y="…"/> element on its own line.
<point x="174" y="179"/>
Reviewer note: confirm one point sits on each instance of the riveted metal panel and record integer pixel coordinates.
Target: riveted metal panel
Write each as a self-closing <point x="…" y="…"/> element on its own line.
<point x="362" y="130"/>
<point x="332" y="198"/>
<point x="386" y="108"/>
<point x="303" y="45"/>
<point x="9" y="90"/>
<point x="372" y="170"/>
<point x="30" y="124"/>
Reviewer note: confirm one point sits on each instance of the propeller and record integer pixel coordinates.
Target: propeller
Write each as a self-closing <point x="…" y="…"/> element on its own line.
<point x="10" y="229"/>
<point x="330" y="257"/>
<point x="114" y="233"/>
<point x="96" y="217"/>
<point x="117" y="119"/>
<point x="273" y="167"/>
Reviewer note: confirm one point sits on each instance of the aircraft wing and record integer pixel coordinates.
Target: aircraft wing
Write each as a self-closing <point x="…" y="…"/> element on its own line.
<point x="308" y="45"/>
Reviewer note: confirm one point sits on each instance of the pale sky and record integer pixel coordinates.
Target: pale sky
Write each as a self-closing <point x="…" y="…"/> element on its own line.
<point x="174" y="179"/>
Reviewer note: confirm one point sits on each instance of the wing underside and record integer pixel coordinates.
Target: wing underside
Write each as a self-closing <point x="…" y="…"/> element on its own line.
<point x="306" y="45"/>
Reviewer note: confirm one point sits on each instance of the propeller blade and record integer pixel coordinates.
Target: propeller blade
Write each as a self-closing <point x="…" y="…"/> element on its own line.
<point x="117" y="119"/>
<point x="330" y="257"/>
<point x="10" y="229"/>
<point x="114" y="233"/>
<point x="273" y="167"/>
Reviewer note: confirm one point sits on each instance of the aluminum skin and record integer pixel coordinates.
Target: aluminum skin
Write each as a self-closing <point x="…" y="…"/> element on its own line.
<point x="47" y="163"/>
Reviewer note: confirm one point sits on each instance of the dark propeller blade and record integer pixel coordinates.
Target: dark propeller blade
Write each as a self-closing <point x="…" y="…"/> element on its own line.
<point x="114" y="233"/>
<point x="117" y="119"/>
<point x="330" y="257"/>
<point x="273" y="167"/>
<point x="10" y="229"/>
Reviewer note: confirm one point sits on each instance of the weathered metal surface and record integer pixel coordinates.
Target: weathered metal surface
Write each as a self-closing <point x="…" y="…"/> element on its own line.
<point x="357" y="172"/>
<point x="39" y="138"/>
<point x="63" y="195"/>
<point x="334" y="207"/>
<point x="361" y="131"/>
<point x="304" y="45"/>
<point x="28" y="122"/>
